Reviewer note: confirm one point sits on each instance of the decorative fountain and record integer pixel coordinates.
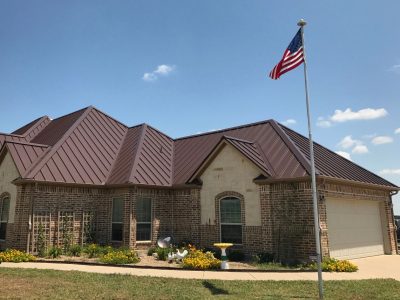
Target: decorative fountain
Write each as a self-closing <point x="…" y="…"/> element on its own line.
<point x="224" y="257"/>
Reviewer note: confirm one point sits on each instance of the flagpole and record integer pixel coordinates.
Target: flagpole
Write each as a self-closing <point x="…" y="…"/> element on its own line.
<point x="303" y="23"/>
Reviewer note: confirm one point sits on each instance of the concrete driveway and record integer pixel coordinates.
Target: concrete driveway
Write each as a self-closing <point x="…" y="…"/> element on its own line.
<point x="385" y="266"/>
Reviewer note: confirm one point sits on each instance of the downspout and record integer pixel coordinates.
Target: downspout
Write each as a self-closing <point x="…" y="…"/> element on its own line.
<point x="394" y="223"/>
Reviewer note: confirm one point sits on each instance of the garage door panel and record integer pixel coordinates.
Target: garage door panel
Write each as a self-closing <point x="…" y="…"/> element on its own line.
<point x="354" y="228"/>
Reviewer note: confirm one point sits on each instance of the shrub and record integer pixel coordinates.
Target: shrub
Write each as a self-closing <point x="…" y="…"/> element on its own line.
<point x="75" y="250"/>
<point x="120" y="257"/>
<point x="41" y="241"/>
<point x="162" y="253"/>
<point x="198" y="260"/>
<point x="12" y="255"/>
<point x="151" y="251"/>
<point x="264" y="257"/>
<point x="54" y="252"/>
<point x="334" y="265"/>
<point x="236" y="255"/>
<point x="93" y="250"/>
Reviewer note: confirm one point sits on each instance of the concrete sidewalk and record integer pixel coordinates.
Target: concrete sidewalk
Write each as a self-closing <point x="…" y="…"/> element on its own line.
<point x="385" y="266"/>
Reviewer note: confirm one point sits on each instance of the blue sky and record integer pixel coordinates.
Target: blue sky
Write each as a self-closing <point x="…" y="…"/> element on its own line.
<point x="206" y="64"/>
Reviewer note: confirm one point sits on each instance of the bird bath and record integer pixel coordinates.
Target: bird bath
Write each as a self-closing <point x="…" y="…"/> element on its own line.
<point x="224" y="258"/>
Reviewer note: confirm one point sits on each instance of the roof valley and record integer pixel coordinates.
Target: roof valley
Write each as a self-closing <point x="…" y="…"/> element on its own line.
<point x="131" y="178"/>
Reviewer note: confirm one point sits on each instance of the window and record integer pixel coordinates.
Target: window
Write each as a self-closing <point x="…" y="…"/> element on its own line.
<point x="4" y="211"/>
<point x="117" y="217"/>
<point x="143" y="219"/>
<point x="231" y="220"/>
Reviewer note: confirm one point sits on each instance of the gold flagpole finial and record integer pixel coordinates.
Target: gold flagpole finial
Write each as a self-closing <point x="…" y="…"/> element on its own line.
<point x="302" y="23"/>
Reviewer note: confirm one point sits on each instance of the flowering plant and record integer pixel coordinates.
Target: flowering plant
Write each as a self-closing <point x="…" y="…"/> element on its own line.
<point x="12" y="255"/>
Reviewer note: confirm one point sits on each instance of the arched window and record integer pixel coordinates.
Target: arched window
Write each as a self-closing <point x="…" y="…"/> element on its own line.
<point x="4" y="212"/>
<point x="231" y="220"/>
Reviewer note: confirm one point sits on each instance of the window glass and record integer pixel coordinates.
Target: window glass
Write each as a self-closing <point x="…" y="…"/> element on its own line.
<point x="143" y="219"/>
<point x="117" y="219"/>
<point x="4" y="212"/>
<point x="143" y="210"/>
<point x="230" y="210"/>
<point x="231" y="220"/>
<point x="118" y="204"/>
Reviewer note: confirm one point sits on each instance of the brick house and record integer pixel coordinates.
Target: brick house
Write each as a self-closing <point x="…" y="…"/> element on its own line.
<point x="90" y="175"/>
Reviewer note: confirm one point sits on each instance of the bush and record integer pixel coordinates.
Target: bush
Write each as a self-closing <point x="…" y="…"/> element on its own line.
<point x="54" y="252"/>
<point x="264" y="257"/>
<point x="236" y="255"/>
<point x="151" y="251"/>
<point x="198" y="260"/>
<point x="120" y="257"/>
<point x="41" y="241"/>
<point x="162" y="253"/>
<point x="75" y="250"/>
<point x="93" y="250"/>
<point x="334" y="265"/>
<point x="12" y="255"/>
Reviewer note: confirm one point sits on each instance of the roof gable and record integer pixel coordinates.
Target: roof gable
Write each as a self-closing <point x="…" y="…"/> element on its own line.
<point x="246" y="148"/>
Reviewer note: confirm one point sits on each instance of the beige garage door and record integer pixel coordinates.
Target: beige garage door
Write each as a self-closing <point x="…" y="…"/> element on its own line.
<point x="354" y="228"/>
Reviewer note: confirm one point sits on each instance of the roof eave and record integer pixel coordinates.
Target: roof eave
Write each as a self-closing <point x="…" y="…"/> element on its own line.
<point x="321" y="178"/>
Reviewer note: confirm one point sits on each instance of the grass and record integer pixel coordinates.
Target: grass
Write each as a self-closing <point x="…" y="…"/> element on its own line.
<point x="49" y="284"/>
<point x="275" y="266"/>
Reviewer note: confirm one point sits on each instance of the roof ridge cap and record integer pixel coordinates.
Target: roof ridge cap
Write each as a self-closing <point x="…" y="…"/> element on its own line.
<point x="137" y="154"/>
<point x="263" y="167"/>
<point x="264" y="157"/>
<point x="116" y="159"/>
<point x="26" y="143"/>
<point x="301" y="158"/>
<point x="34" y="126"/>
<point x="225" y="129"/>
<point x="107" y="115"/>
<point x="237" y="139"/>
<point x="32" y="171"/>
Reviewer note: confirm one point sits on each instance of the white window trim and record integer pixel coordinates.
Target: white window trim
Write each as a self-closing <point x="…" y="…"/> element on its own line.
<point x="220" y="219"/>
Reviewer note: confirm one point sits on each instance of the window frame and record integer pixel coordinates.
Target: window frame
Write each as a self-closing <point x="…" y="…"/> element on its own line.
<point x="117" y="222"/>
<point x="2" y="222"/>
<point x="146" y="222"/>
<point x="235" y="224"/>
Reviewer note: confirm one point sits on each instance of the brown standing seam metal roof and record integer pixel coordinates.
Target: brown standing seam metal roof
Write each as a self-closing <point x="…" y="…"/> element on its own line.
<point x="90" y="147"/>
<point x="24" y="154"/>
<point x="331" y="164"/>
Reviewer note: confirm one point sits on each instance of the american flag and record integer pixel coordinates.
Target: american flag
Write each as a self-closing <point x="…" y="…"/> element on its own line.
<point x="292" y="58"/>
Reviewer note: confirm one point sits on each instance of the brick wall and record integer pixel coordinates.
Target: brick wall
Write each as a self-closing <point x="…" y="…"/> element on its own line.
<point x="287" y="227"/>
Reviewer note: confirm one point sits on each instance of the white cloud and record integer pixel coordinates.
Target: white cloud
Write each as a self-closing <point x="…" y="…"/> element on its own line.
<point x="161" y="70"/>
<point x="344" y="154"/>
<point x="289" y="122"/>
<point x="149" y="77"/>
<point x="395" y="68"/>
<point x="348" y="142"/>
<point x="397" y="131"/>
<point x="323" y="123"/>
<point x="164" y="69"/>
<point x="360" y="149"/>
<point x="390" y="172"/>
<point x="379" y="140"/>
<point x="363" y="114"/>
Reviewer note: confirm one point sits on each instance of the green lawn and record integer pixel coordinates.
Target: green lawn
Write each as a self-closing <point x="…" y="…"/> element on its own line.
<point x="34" y="284"/>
